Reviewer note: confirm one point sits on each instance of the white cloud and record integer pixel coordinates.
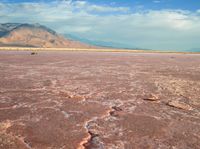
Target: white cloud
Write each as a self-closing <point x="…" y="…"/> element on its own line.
<point x="83" y="5"/>
<point x="156" y="1"/>
<point x="155" y="29"/>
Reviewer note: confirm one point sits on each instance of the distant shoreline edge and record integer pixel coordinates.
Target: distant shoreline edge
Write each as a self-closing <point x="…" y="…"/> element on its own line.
<point x="91" y="50"/>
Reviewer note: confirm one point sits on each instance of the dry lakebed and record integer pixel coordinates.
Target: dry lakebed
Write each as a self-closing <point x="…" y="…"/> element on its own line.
<point x="99" y="100"/>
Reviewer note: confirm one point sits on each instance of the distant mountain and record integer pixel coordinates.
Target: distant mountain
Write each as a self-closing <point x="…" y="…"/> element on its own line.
<point x="101" y="43"/>
<point x="35" y="35"/>
<point x="194" y="50"/>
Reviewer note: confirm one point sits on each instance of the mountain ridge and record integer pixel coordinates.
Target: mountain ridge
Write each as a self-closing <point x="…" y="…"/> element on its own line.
<point x="35" y="35"/>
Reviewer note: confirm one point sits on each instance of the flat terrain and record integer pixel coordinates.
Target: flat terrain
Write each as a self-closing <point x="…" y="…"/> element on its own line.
<point x="99" y="100"/>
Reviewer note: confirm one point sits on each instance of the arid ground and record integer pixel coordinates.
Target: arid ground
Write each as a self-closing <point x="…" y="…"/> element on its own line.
<point x="99" y="100"/>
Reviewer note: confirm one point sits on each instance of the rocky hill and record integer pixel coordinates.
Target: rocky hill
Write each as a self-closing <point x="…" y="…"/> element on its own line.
<point x="35" y="35"/>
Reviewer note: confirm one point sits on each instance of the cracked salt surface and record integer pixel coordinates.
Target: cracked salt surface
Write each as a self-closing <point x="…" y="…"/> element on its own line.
<point x="98" y="103"/>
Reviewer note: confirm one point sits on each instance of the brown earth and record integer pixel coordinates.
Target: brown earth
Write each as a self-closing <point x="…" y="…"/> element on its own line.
<point x="93" y="100"/>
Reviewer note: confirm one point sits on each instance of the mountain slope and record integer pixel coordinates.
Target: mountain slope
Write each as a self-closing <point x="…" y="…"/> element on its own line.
<point x="34" y="35"/>
<point x="102" y="43"/>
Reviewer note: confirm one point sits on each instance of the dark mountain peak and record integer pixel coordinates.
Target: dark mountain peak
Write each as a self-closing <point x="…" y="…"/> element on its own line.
<point x="34" y="26"/>
<point x="7" y="27"/>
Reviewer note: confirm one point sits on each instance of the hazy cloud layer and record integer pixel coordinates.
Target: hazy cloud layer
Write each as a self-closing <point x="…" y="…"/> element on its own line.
<point x="155" y="29"/>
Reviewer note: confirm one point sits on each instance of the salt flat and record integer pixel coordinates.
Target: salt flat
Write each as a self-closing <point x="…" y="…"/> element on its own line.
<point x="99" y="100"/>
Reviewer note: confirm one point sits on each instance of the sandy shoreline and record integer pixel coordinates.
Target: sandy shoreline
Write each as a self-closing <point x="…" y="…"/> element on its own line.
<point x="91" y="50"/>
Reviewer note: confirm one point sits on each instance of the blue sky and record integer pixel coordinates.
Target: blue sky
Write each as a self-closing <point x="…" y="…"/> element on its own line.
<point x="154" y="4"/>
<point x="150" y="24"/>
<point x="148" y="4"/>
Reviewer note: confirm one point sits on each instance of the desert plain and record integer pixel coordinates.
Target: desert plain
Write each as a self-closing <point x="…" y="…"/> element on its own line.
<point x="99" y="100"/>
